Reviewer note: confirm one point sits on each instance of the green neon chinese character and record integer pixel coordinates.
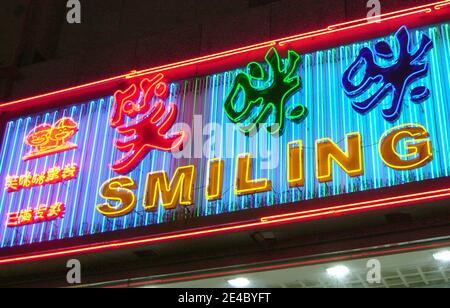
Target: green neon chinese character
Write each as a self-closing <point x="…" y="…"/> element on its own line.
<point x="280" y="83"/>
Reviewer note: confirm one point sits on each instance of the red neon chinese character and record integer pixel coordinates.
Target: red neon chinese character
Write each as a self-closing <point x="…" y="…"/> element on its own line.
<point x="53" y="175"/>
<point x="148" y="135"/>
<point x="149" y="131"/>
<point x="48" y="139"/>
<point x="40" y="214"/>
<point x="56" y="210"/>
<point x="69" y="172"/>
<point x="12" y="184"/>
<point x="134" y="101"/>
<point x="38" y="179"/>
<point x="26" y="217"/>
<point x="13" y="220"/>
<point x="25" y="180"/>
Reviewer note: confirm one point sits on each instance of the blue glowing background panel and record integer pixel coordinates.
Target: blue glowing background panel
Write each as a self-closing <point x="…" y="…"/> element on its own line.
<point x="200" y="103"/>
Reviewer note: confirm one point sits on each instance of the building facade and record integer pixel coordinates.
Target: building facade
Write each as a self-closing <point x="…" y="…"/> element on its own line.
<point x="157" y="147"/>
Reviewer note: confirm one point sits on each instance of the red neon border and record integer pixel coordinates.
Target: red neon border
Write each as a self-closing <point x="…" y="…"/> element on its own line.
<point x="346" y="26"/>
<point x="383" y="252"/>
<point x="262" y="222"/>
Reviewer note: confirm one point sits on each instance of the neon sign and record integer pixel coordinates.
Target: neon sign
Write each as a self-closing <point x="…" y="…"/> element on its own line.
<point x="130" y="177"/>
<point x="259" y="102"/>
<point x="40" y="214"/>
<point x="48" y="139"/>
<point x="395" y="78"/>
<point x="51" y="176"/>
<point x="136" y="101"/>
<point x="180" y="190"/>
<point x="148" y="132"/>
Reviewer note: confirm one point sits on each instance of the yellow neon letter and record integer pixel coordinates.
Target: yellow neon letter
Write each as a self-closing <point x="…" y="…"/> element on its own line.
<point x="179" y="191"/>
<point x="118" y="189"/>
<point x="215" y="179"/>
<point x="244" y="183"/>
<point x="295" y="164"/>
<point x="419" y="148"/>
<point x="351" y="162"/>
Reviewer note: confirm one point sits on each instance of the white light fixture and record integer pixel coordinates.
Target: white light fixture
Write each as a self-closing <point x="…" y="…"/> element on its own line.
<point x="239" y="282"/>
<point x="443" y="256"/>
<point x="339" y="271"/>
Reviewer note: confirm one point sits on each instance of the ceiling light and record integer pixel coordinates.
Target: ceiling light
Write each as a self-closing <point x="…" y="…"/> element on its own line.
<point x="239" y="282"/>
<point x="443" y="256"/>
<point x="338" y="272"/>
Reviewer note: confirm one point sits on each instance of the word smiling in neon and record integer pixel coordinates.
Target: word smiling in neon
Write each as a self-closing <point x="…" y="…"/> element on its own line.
<point x="179" y="190"/>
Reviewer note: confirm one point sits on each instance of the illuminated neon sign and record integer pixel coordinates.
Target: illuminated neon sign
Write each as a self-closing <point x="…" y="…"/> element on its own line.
<point x="136" y="168"/>
<point x="53" y="175"/>
<point x="180" y="190"/>
<point x="40" y="214"/>
<point x="279" y="83"/>
<point x="395" y="78"/>
<point x="48" y="139"/>
<point x="148" y="132"/>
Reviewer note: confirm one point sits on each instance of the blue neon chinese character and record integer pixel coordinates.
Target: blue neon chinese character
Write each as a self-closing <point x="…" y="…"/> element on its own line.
<point x="394" y="79"/>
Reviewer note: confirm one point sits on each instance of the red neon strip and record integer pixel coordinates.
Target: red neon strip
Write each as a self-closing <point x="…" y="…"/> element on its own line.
<point x="361" y="204"/>
<point x="47" y="95"/>
<point x="439" y="6"/>
<point x="263" y="222"/>
<point x="284" y="266"/>
<point x="201" y="59"/>
<point x="331" y="29"/>
<point x="382" y="16"/>
<point x="135" y="73"/>
<point x="334" y="212"/>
